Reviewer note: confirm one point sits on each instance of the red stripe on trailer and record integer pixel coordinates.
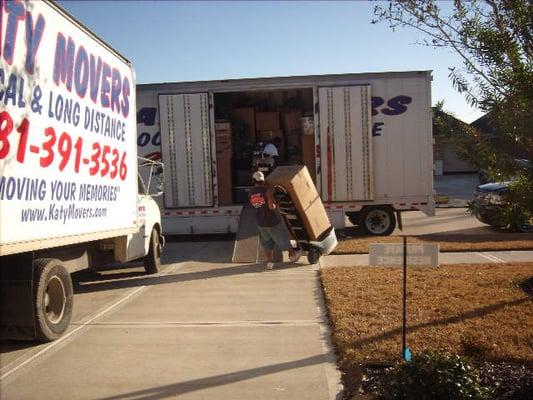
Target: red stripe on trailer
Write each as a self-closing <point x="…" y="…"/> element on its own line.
<point x="414" y="204"/>
<point x="339" y="207"/>
<point x="423" y="204"/>
<point x="203" y="212"/>
<point x="402" y="204"/>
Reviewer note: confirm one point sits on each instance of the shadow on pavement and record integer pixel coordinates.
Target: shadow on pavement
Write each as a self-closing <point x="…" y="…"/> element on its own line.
<point x="179" y="388"/>
<point x="94" y="281"/>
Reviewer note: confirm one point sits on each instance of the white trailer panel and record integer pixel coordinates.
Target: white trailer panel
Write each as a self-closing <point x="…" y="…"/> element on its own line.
<point x="186" y="150"/>
<point x="345" y="134"/>
<point x="67" y="161"/>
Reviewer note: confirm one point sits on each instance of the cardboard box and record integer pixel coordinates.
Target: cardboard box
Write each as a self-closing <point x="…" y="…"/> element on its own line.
<point x="268" y="136"/>
<point x="222" y="125"/>
<point x="308" y="154"/>
<point x="225" y="182"/>
<point x="247" y="116"/>
<point x="224" y="148"/>
<point x="291" y="120"/>
<point x="308" y="126"/>
<point x="267" y="121"/>
<point x="294" y="138"/>
<point x="295" y="179"/>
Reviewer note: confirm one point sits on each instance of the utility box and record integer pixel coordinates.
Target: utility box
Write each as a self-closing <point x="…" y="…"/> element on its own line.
<point x="297" y="182"/>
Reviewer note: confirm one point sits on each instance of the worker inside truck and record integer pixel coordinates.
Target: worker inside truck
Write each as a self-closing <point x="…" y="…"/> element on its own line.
<point x="266" y="156"/>
<point x="268" y="128"/>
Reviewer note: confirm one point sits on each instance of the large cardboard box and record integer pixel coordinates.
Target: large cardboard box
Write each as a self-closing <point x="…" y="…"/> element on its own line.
<point x="308" y="125"/>
<point x="267" y="121"/>
<point x="291" y="120"/>
<point x="247" y="117"/>
<point x="223" y="139"/>
<point x="295" y="179"/>
<point x="225" y="184"/>
<point x="293" y="137"/>
<point x="308" y="154"/>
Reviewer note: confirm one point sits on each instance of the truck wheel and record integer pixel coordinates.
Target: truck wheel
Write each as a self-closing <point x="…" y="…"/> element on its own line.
<point x="152" y="261"/>
<point x="313" y="255"/>
<point x="378" y="221"/>
<point x="53" y="299"/>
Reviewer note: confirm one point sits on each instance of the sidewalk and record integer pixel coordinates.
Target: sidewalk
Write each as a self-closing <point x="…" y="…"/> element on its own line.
<point x="348" y="260"/>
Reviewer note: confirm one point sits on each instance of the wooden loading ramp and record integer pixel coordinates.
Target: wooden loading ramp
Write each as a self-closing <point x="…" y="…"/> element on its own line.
<point x="247" y="248"/>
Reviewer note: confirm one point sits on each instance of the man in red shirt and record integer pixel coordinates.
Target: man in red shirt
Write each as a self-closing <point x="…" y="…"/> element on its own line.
<point x="272" y="230"/>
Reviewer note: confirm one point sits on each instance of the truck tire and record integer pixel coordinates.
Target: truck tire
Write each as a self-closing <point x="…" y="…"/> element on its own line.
<point x="53" y="299"/>
<point x="152" y="261"/>
<point x="378" y="221"/>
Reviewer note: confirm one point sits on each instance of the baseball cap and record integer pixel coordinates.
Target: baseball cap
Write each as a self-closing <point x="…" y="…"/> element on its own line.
<point x="258" y="176"/>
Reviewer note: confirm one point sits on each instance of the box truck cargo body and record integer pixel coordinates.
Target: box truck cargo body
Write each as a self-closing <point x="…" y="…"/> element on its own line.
<point x="365" y="138"/>
<point x="70" y="193"/>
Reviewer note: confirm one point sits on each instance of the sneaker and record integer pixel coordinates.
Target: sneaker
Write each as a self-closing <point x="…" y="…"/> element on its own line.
<point x="270" y="265"/>
<point x="295" y="256"/>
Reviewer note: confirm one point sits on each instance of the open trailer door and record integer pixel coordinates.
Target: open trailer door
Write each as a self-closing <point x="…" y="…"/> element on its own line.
<point x="345" y="142"/>
<point x="186" y="150"/>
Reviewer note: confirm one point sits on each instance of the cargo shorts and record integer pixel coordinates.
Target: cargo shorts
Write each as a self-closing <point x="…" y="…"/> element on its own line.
<point x="270" y="236"/>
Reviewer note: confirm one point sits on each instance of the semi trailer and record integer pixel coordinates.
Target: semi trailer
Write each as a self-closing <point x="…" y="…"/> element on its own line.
<point x="366" y="139"/>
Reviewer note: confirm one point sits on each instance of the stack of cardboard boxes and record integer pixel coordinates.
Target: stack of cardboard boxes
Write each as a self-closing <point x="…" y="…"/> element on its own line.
<point x="297" y="182"/>
<point x="291" y="123"/>
<point x="308" y="144"/>
<point x="295" y="131"/>
<point x="224" y="154"/>
<point x="268" y="127"/>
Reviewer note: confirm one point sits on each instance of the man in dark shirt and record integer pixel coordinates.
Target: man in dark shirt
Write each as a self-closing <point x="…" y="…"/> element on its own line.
<point x="272" y="231"/>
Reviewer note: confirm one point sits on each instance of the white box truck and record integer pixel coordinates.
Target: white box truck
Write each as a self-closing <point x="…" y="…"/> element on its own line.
<point x="366" y="138"/>
<point x="71" y="196"/>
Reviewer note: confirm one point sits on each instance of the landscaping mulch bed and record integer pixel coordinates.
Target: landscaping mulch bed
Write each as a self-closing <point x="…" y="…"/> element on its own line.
<point x="447" y="242"/>
<point x="483" y="311"/>
<point x="506" y="381"/>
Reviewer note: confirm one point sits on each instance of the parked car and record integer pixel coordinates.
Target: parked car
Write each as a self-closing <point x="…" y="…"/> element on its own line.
<point x="489" y="198"/>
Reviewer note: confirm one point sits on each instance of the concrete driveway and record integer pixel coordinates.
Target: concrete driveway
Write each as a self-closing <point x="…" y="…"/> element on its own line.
<point x="202" y="329"/>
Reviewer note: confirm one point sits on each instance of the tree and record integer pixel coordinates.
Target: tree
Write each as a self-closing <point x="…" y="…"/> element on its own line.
<point x="494" y="40"/>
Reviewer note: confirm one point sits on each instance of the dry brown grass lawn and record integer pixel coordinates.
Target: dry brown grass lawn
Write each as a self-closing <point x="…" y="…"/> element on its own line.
<point x="448" y="242"/>
<point x="461" y="308"/>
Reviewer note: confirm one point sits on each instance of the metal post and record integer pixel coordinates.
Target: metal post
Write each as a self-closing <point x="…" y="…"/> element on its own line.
<point x="404" y="328"/>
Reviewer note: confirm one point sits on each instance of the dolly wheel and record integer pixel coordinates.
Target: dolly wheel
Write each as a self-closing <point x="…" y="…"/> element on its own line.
<point x="313" y="255"/>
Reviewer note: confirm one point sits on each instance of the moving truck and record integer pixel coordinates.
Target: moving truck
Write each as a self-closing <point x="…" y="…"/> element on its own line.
<point x="365" y="138"/>
<point x="71" y="196"/>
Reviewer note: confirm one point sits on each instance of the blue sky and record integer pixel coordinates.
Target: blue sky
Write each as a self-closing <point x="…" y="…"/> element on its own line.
<point x="172" y="41"/>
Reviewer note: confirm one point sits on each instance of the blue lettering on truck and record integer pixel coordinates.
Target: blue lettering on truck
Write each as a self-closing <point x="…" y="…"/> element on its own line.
<point x="395" y="106"/>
